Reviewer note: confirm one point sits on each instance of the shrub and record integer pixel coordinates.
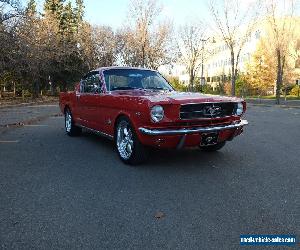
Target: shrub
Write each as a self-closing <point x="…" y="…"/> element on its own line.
<point x="227" y="88"/>
<point x="174" y="81"/>
<point x="295" y="90"/>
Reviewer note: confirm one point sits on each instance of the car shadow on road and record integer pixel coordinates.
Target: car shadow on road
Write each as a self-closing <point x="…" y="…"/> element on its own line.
<point x="185" y="158"/>
<point x="168" y="158"/>
<point x="95" y="138"/>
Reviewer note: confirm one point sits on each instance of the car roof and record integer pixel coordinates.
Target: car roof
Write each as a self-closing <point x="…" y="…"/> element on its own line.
<point x="101" y="69"/>
<point x="121" y="67"/>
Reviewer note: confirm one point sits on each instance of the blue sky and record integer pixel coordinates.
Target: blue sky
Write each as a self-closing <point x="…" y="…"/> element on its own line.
<point x="114" y="12"/>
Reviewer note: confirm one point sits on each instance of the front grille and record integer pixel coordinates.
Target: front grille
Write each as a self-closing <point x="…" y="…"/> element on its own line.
<point x="206" y="110"/>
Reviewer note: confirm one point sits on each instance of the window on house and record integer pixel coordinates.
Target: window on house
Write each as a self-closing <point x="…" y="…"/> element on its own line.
<point x="297" y="63"/>
<point x="257" y="34"/>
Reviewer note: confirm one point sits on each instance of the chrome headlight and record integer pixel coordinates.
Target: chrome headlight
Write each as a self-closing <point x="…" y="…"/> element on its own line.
<point x="239" y="108"/>
<point x="157" y="113"/>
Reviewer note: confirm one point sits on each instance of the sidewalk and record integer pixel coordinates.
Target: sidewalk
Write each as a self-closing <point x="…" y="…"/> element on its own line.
<point x="270" y="102"/>
<point x="20" y="103"/>
<point x="17" y="116"/>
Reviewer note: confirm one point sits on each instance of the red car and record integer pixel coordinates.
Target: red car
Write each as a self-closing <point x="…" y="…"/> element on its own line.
<point x="138" y="108"/>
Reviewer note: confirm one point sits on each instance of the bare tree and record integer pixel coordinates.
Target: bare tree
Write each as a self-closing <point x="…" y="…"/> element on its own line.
<point x="143" y="41"/>
<point x="191" y="49"/>
<point x="9" y="9"/>
<point x="104" y="44"/>
<point x="282" y="27"/>
<point x="235" y="24"/>
<point x="57" y="46"/>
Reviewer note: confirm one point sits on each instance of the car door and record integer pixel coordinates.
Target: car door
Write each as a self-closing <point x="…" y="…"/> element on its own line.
<point x="81" y="100"/>
<point x="76" y="107"/>
<point x="93" y="101"/>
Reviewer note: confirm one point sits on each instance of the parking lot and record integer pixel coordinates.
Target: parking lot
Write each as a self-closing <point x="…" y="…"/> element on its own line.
<point x="63" y="192"/>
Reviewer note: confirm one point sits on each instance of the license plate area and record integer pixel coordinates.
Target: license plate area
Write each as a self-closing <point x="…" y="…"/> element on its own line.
<point x="208" y="139"/>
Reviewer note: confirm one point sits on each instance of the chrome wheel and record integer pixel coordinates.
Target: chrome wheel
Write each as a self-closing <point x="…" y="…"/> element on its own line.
<point x="68" y="121"/>
<point x="124" y="140"/>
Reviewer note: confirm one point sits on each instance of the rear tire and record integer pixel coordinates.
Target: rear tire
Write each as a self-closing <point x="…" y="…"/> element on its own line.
<point x="213" y="148"/>
<point x="71" y="128"/>
<point x="129" y="148"/>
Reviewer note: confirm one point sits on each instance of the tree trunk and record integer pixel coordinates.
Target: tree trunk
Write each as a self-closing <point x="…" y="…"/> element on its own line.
<point x="64" y="86"/>
<point x="53" y="89"/>
<point x="14" y="83"/>
<point x="233" y="74"/>
<point x="35" y="89"/>
<point x="284" y="93"/>
<point x="143" y="56"/>
<point x="279" y="76"/>
<point x="191" y="83"/>
<point x="233" y="78"/>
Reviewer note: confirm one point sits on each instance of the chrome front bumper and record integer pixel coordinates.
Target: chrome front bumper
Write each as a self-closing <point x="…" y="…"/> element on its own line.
<point x="185" y="131"/>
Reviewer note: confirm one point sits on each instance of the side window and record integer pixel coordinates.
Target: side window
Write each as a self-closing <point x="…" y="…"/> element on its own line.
<point x="91" y="84"/>
<point x="82" y="83"/>
<point x="97" y="83"/>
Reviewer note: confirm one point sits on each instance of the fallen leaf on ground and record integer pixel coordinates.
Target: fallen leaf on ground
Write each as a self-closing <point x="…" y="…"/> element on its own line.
<point x="159" y="215"/>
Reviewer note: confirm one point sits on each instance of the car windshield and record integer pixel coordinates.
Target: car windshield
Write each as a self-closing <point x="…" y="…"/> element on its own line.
<point x="124" y="79"/>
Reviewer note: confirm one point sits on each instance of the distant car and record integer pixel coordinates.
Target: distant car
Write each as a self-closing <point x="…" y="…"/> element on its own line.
<point x="138" y="108"/>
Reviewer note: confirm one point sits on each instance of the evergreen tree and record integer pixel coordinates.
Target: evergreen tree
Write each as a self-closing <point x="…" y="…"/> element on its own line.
<point x="54" y="7"/>
<point x="79" y="11"/>
<point x="68" y="22"/>
<point x="31" y="8"/>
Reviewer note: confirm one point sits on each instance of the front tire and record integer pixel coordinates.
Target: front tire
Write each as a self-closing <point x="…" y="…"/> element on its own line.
<point x="213" y="148"/>
<point x="130" y="149"/>
<point x="71" y="128"/>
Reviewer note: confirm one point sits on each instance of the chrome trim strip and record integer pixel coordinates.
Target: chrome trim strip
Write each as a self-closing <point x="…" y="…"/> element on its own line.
<point x="192" y="130"/>
<point x="96" y="132"/>
<point x="198" y="111"/>
<point x="207" y="118"/>
<point x="211" y="102"/>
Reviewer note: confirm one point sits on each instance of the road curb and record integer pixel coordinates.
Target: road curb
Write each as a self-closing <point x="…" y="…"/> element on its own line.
<point x="29" y="104"/>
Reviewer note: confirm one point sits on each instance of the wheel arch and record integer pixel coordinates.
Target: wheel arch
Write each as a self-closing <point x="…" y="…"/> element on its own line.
<point x="127" y="116"/>
<point x="118" y="117"/>
<point x="67" y="107"/>
<point x="139" y="153"/>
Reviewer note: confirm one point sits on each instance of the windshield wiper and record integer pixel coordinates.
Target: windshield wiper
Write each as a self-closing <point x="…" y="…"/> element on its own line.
<point x="159" y="89"/>
<point x="129" y="88"/>
<point x="122" y="88"/>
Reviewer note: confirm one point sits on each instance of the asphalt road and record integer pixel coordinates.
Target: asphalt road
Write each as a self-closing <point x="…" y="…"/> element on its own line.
<point x="58" y="192"/>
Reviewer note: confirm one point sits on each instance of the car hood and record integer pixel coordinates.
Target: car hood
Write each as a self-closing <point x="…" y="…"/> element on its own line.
<point x="175" y="97"/>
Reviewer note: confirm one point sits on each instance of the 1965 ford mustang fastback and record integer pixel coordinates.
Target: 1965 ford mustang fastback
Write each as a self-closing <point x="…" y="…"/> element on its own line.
<point x="138" y="108"/>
